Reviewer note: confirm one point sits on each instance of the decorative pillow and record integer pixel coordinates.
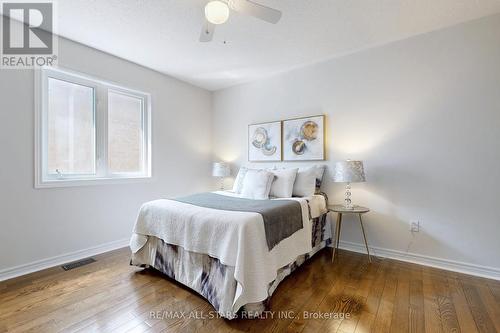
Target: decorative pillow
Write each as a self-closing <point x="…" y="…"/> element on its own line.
<point x="305" y="182"/>
<point x="282" y="186"/>
<point x="238" y="182"/>
<point x="257" y="184"/>
<point x="320" y="170"/>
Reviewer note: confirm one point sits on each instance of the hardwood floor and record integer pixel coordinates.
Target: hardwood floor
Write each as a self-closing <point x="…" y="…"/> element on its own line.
<point x="385" y="296"/>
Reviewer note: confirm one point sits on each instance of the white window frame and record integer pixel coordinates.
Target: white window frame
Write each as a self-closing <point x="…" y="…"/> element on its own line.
<point x="44" y="179"/>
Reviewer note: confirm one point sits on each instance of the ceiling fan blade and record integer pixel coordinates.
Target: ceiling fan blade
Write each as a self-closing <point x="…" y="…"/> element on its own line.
<point x="207" y="32"/>
<point x="254" y="9"/>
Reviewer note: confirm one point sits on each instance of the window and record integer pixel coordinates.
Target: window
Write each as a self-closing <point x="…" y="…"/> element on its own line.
<point x="70" y="128"/>
<point x="89" y="131"/>
<point x="125" y="139"/>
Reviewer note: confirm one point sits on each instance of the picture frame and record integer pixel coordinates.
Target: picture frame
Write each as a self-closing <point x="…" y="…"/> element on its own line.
<point x="265" y="142"/>
<point x="304" y="138"/>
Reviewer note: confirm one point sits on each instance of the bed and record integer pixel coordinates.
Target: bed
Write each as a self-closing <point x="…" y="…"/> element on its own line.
<point x="224" y="248"/>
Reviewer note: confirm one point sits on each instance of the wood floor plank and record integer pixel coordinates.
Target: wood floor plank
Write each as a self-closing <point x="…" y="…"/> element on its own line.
<point x="495" y="290"/>
<point x="375" y="294"/>
<point x="478" y="309"/>
<point x="383" y="318"/>
<point x="320" y="290"/>
<point x="184" y="302"/>
<point x="84" y="309"/>
<point x="368" y="315"/>
<point x="340" y="299"/>
<point x="357" y="290"/>
<point x="286" y="301"/>
<point x="326" y="302"/>
<point x="368" y="278"/>
<point x="115" y="316"/>
<point x="447" y="312"/>
<point x="305" y="287"/>
<point x="56" y="275"/>
<point x="400" y="315"/>
<point x="53" y="304"/>
<point x="111" y="296"/>
<point x="40" y="299"/>
<point x="416" y="312"/>
<point x="464" y="313"/>
<point x="431" y="306"/>
<point x="491" y="305"/>
<point x="365" y="322"/>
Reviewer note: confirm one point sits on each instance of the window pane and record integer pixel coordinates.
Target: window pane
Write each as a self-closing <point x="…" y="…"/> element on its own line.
<point x="71" y="136"/>
<point x="125" y="133"/>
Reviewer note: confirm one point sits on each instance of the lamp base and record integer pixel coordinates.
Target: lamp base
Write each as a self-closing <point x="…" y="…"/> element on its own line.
<point x="347" y="201"/>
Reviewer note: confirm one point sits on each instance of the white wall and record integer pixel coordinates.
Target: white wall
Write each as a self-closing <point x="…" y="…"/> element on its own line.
<point x="43" y="223"/>
<point x="424" y="115"/>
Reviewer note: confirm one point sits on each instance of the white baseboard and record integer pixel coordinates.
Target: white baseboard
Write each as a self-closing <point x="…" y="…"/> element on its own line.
<point x="450" y="265"/>
<point x="35" y="266"/>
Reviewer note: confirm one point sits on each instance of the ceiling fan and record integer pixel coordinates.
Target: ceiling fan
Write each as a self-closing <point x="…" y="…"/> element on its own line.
<point x="217" y="12"/>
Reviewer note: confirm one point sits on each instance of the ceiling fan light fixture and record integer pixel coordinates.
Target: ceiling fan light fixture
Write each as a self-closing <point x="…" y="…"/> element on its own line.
<point x="217" y="12"/>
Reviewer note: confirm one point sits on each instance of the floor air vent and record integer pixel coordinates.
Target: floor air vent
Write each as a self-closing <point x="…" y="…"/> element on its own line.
<point x="78" y="263"/>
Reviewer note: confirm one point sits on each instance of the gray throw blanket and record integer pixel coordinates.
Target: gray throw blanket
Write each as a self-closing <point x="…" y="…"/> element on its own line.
<point x="281" y="218"/>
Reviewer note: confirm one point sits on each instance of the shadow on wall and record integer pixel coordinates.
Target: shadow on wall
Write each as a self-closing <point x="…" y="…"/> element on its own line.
<point x="425" y="171"/>
<point x="422" y="158"/>
<point x="384" y="231"/>
<point x="394" y="205"/>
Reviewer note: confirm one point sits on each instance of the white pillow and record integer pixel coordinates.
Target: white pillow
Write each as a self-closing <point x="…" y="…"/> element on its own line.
<point x="305" y="182"/>
<point x="257" y="184"/>
<point x="282" y="186"/>
<point x="238" y="182"/>
<point x="320" y="170"/>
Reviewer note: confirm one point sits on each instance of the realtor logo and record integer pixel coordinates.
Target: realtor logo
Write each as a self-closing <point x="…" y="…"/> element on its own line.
<point x="28" y="38"/>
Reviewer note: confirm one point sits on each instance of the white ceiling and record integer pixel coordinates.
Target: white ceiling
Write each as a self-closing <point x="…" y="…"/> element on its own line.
<point x="163" y="34"/>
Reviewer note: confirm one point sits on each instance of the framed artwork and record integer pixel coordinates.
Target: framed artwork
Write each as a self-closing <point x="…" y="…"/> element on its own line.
<point x="264" y="142"/>
<point x="304" y="139"/>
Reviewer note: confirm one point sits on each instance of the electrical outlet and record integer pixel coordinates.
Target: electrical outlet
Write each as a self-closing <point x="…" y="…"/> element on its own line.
<point x="415" y="226"/>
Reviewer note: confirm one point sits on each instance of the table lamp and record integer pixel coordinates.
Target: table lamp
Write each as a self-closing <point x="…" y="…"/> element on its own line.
<point x="349" y="172"/>
<point x="221" y="170"/>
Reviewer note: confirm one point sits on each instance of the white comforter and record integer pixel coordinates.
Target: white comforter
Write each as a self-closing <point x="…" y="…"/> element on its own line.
<point x="235" y="238"/>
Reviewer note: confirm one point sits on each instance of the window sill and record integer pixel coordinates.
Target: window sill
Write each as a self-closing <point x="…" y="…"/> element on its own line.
<point x="90" y="182"/>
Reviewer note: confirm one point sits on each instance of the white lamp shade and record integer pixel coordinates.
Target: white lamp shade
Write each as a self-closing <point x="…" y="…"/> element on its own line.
<point x="349" y="172"/>
<point x="221" y="169"/>
<point x="216" y="12"/>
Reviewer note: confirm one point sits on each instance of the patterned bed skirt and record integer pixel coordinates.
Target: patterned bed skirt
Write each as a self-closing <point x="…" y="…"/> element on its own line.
<point x="212" y="279"/>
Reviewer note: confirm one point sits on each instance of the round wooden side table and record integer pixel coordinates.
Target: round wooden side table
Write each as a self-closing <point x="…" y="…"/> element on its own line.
<point x="340" y="210"/>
